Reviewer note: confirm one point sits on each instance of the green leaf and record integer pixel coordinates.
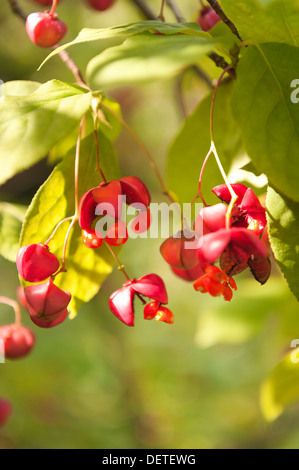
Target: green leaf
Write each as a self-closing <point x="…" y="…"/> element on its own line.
<point x="268" y="119"/>
<point x="18" y="88"/>
<point x="145" y="58"/>
<point x="31" y="124"/>
<point x="54" y="201"/>
<point x="190" y="146"/>
<point x="117" y="34"/>
<point x="109" y="125"/>
<point x="283" y="219"/>
<point x="11" y="220"/>
<point x="276" y="21"/>
<point x="251" y="168"/>
<point x="281" y="389"/>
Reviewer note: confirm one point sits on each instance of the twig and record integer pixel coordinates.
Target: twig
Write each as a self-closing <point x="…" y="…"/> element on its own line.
<point x="17" y="10"/>
<point x="215" y="5"/>
<point x="176" y="11"/>
<point x="148" y="13"/>
<point x="216" y="58"/>
<point x="161" y="14"/>
<point x="179" y="96"/>
<point x="12" y="303"/>
<point x="72" y="66"/>
<point x="221" y="62"/>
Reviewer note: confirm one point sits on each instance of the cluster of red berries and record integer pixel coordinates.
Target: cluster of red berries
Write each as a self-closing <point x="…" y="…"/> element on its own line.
<point x="107" y="200"/>
<point x="45" y="29"/>
<point x="235" y="247"/>
<point x="46" y="303"/>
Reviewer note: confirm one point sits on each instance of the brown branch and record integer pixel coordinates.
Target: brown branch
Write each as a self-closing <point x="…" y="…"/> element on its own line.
<point x="17" y="10"/>
<point x="161" y="14"/>
<point x="147" y="12"/>
<point x="72" y="66"/>
<point x="151" y="16"/>
<point x="221" y="62"/>
<point x="217" y="8"/>
<point x="216" y="58"/>
<point x="176" y="11"/>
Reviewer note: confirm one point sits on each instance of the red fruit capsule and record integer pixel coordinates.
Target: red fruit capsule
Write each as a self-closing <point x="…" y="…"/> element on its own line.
<point x="45" y="29"/>
<point x="90" y="239"/>
<point x="157" y="311"/>
<point x="150" y="310"/>
<point x="18" y="340"/>
<point x="164" y="314"/>
<point x="180" y="252"/>
<point x="189" y="274"/>
<point x="46" y="301"/>
<point x="35" y="263"/>
<point x="141" y="223"/>
<point x="49" y="324"/>
<point x="208" y="18"/>
<point x="100" y="5"/>
<point x="5" y="411"/>
<point x="117" y="234"/>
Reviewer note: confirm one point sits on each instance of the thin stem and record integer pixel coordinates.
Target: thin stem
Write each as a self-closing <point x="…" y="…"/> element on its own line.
<point x="75" y="217"/>
<point x="98" y="167"/>
<point x="63" y="268"/>
<point x="122" y="268"/>
<point x="72" y="66"/>
<point x="17" y="10"/>
<point x="202" y="74"/>
<point x="213" y="150"/>
<point x="119" y="264"/>
<point x="12" y="303"/>
<point x="234" y="197"/>
<point x="161" y="14"/>
<point x="201" y="175"/>
<point x="54" y="5"/>
<point x="176" y="11"/>
<point x="77" y="164"/>
<point x="215" y="5"/>
<point x="199" y="193"/>
<point x="95" y="109"/>
<point x="220" y="62"/>
<point x="145" y="151"/>
<point x="56" y="228"/>
<point x="179" y="96"/>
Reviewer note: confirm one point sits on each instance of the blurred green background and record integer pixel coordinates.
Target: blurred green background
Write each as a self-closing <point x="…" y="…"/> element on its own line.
<point x="93" y="382"/>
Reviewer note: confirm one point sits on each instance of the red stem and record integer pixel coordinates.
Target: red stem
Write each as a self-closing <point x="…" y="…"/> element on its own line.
<point x="12" y="303"/>
<point x="54" y="5"/>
